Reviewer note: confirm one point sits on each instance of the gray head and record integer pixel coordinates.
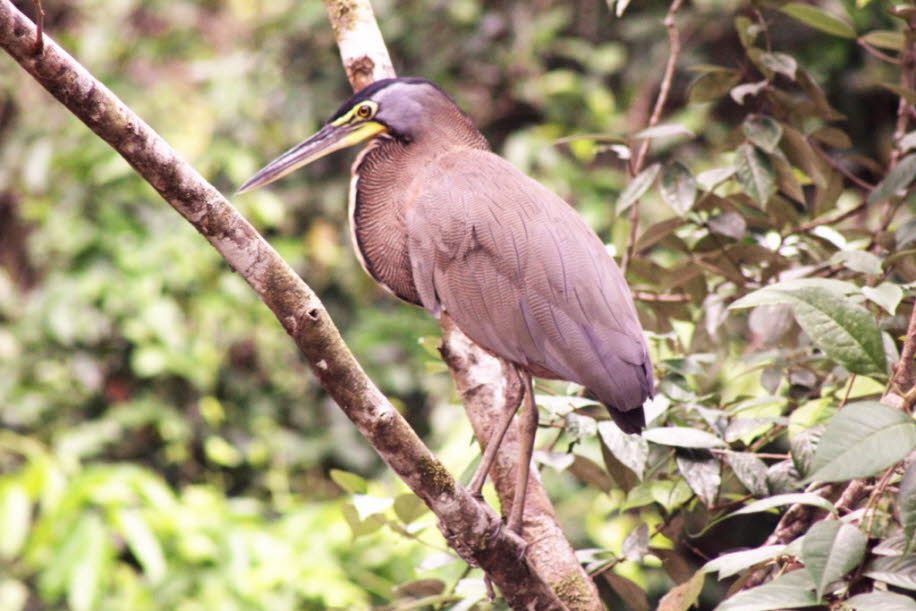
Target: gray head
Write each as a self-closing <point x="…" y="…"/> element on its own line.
<point x="406" y="109"/>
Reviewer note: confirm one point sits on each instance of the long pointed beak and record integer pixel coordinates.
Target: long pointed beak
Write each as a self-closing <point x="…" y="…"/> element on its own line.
<point x="329" y="138"/>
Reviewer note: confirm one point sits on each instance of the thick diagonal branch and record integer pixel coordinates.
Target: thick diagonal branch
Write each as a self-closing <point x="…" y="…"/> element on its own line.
<point x="295" y="305"/>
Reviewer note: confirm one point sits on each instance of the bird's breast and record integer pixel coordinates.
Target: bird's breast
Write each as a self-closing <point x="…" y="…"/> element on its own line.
<point x="380" y="194"/>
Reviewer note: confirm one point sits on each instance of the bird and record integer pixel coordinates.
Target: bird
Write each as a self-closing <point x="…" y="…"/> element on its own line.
<point x="444" y="223"/>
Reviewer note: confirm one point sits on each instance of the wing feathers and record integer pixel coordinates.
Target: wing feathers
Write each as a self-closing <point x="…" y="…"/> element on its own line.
<point x="523" y="275"/>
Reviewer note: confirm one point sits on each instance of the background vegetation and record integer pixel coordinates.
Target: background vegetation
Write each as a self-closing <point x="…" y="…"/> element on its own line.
<point x="162" y="445"/>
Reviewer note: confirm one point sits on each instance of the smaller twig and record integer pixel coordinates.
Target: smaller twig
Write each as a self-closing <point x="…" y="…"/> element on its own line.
<point x="903" y="374"/>
<point x="757" y="454"/>
<point x="907" y="79"/>
<point x="852" y="496"/>
<point x="876" y="493"/>
<point x="890" y="211"/>
<point x="839" y="167"/>
<point x="852" y="380"/>
<point x="39" y="27"/>
<point x="674" y="41"/>
<point x="804" y="227"/>
<point x="666" y="297"/>
<point x="763" y="28"/>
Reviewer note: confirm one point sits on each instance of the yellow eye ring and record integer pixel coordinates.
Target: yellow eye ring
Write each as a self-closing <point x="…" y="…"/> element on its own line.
<point x="364" y="111"/>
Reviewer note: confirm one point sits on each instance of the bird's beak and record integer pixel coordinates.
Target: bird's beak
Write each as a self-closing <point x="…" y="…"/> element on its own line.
<point x="329" y="138"/>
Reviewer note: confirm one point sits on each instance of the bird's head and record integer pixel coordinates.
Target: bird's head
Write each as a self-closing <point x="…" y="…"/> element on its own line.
<point x="401" y="108"/>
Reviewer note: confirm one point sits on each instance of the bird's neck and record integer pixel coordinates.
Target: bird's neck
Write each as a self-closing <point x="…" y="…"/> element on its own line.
<point x="385" y="183"/>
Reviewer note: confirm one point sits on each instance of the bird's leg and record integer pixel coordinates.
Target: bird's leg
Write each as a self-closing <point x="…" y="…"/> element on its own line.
<point x="528" y="426"/>
<point x="496" y="438"/>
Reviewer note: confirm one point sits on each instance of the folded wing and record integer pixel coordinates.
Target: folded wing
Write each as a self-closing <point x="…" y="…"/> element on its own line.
<point x="524" y="276"/>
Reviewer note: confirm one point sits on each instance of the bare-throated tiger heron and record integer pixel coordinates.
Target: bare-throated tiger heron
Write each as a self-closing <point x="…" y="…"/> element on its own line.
<point x="447" y="225"/>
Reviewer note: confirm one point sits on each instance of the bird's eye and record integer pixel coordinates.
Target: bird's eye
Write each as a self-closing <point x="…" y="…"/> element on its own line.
<point x="364" y="111"/>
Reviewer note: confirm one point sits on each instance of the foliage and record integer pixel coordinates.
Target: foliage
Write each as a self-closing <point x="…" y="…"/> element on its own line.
<point x="163" y="446"/>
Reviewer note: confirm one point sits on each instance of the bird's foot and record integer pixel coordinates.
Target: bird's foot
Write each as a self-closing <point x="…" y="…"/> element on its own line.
<point x="455" y="542"/>
<point x="515" y="529"/>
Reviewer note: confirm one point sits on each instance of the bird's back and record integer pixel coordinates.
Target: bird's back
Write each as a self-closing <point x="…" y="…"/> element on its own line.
<point x="523" y="275"/>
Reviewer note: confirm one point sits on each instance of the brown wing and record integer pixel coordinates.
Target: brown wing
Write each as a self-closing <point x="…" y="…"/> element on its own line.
<point x="522" y="275"/>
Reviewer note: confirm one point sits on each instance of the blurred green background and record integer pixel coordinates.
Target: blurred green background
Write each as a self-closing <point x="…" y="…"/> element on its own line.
<point x="163" y="446"/>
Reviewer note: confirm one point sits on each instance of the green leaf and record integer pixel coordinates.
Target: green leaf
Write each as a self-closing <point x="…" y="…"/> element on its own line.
<point x="802" y="447"/>
<point x="885" y="39"/>
<point x="794" y="498"/>
<point x="86" y="574"/>
<point x="711" y="86"/>
<point x="621" y="7"/>
<point x="781" y="63"/>
<point x="783" y="477"/>
<point x="351" y="482"/>
<point x="897" y="571"/>
<point x="908" y="142"/>
<point x="408" y="507"/>
<point x="887" y="295"/>
<point x="905" y="236"/>
<point x="836" y="138"/>
<point x="358" y="526"/>
<point x="702" y="475"/>
<point x="830" y="549"/>
<point x="664" y="130"/>
<point x="846" y="332"/>
<point x="678" y="188"/>
<point x="670" y="494"/>
<point x="682" y="437"/>
<point x="558" y="461"/>
<point x="13" y="594"/>
<point x="818" y="19"/>
<point x="143" y="543"/>
<point x="787" y="591"/>
<point x="906" y="504"/>
<point x="755" y="173"/>
<point x="631" y="450"/>
<point x="735" y="562"/>
<point x="15" y="519"/>
<point x="683" y="596"/>
<point x="739" y="93"/>
<point x="860" y="440"/>
<point x="636" y="545"/>
<point x="896" y="180"/>
<point x="632" y="594"/>
<point x="639" y="185"/>
<point x="221" y="452"/>
<point x="881" y="601"/>
<point x="367" y="505"/>
<point x="764" y="132"/>
<point x="750" y="471"/>
<point x="729" y="224"/>
<point x="904" y="92"/>
<point x="747" y="31"/>
<point x="777" y="293"/>
<point x="860" y="261"/>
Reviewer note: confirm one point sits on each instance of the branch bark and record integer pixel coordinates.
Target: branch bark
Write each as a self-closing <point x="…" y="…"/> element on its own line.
<point x="484" y="382"/>
<point x="472" y="528"/>
<point x="479" y="376"/>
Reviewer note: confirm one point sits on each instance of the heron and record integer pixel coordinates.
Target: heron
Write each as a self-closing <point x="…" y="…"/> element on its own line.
<point x="443" y="223"/>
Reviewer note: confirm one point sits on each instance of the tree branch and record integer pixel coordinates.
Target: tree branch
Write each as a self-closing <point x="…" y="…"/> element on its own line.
<point x="484" y="383"/>
<point x="471" y="527"/>
<point x="674" y="52"/>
